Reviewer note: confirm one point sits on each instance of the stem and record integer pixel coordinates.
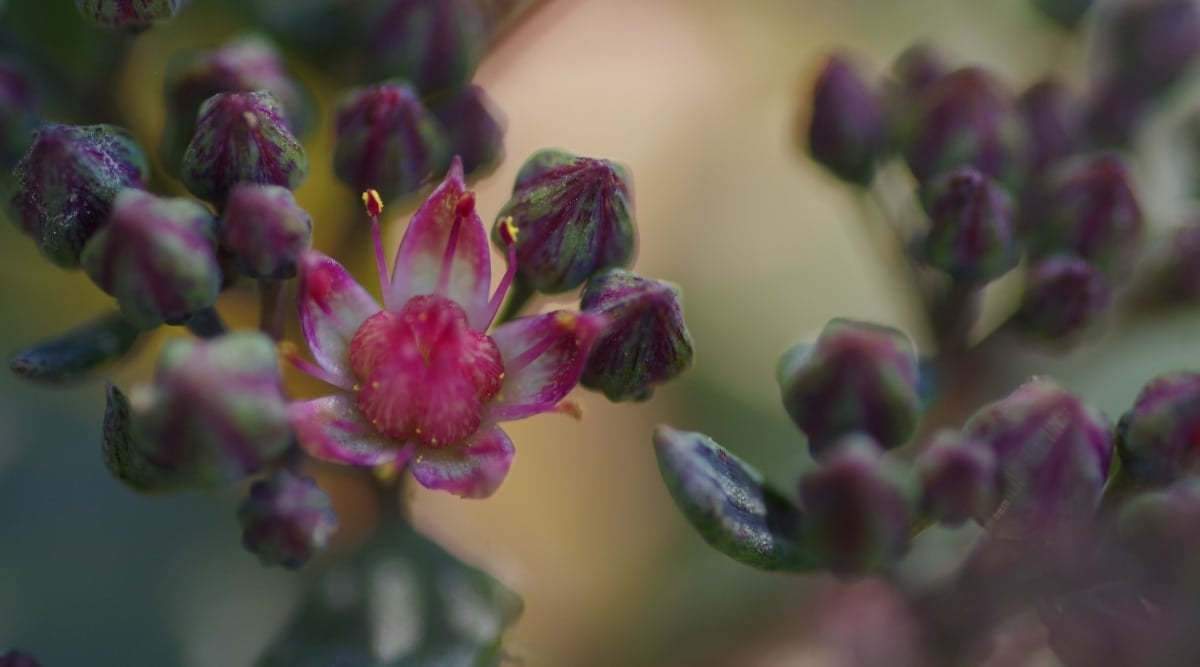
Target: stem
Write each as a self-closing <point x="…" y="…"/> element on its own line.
<point x="518" y="297"/>
<point x="270" y="308"/>
<point x="206" y="323"/>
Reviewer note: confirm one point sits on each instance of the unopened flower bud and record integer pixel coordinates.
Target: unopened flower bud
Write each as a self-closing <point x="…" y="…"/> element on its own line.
<point x="971" y="234"/>
<point x="1113" y="112"/>
<point x="265" y="230"/>
<point x="1053" y="452"/>
<point x="434" y="44"/>
<point x="857" y="507"/>
<point x="286" y="519"/>
<point x="242" y="138"/>
<point x="473" y="128"/>
<point x="1149" y="44"/>
<point x="847" y="133"/>
<point x="1174" y="264"/>
<point x="573" y="216"/>
<point x="1066" y="13"/>
<point x="1065" y="299"/>
<point x="959" y="478"/>
<point x="917" y="68"/>
<point x="157" y="257"/>
<point x="1156" y="439"/>
<point x="1158" y="531"/>
<point x="645" y="341"/>
<point x="66" y="182"/>
<point x="1053" y="122"/>
<point x="128" y="14"/>
<point x="19" y="106"/>
<point x="214" y="412"/>
<point x="387" y="141"/>
<point x="856" y="377"/>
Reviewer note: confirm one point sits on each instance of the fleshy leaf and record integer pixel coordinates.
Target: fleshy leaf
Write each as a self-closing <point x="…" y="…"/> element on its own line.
<point x="729" y="503"/>
<point x="71" y="356"/>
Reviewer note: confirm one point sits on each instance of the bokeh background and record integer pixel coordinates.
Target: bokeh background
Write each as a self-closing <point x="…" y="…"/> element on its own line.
<point x="702" y="100"/>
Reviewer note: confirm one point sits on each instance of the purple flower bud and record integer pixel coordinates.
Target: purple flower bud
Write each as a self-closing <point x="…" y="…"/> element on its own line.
<point x="1159" y="438"/>
<point x="847" y="133"/>
<point x="265" y="230"/>
<point x="19" y="105"/>
<point x="242" y="65"/>
<point x="971" y="234"/>
<point x="1174" y="264"/>
<point x="1066" y="13"/>
<point x="1053" y="452"/>
<point x="1158" y="532"/>
<point x="1065" y="299"/>
<point x="573" y="216"/>
<point x="214" y="412"/>
<point x="966" y="118"/>
<point x="1053" y="122"/>
<point x="286" y="519"/>
<point x="857" y="507"/>
<point x="434" y="44"/>
<point x="128" y="14"/>
<point x="157" y="256"/>
<point x="387" y="141"/>
<point x="17" y="659"/>
<point x="66" y="182"/>
<point x="241" y="138"/>
<point x="1147" y="43"/>
<point x="918" y="67"/>
<point x="959" y="478"/>
<point x="856" y="377"/>
<point x="645" y="341"/>
<point x="473" y="128"/>
<point x="1113" y="112"/>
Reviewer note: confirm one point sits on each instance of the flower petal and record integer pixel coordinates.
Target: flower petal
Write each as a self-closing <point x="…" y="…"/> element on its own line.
<point x="471" y="469"/>
<point x="418" y="266"/>
<point x="331" y="429"/>
<point x="332" y="307"/>
<point x="543" y="358"/>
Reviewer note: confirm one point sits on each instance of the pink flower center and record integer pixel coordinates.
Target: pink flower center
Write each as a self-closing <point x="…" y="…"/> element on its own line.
<point x="423" y="374"/>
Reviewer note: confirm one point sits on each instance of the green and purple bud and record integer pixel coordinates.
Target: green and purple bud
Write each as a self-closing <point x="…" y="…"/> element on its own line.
<point x="959" y="478"/>
<point x="434" y="44"/>
<point x="19" y="112"/>
<point x="574" y="219"/>
<point x="971" y="235"/>
<point x="265" y="231"/>
<point x="1065" y="299"/>
<point x="157" y="257"/>
<point x="242" y="138"/>
<point x="132" y="15"/>
<point x="66" y="182"/>
<point x="645" y="341"/>
<point x="1158" y="440"/>
<point x="917" y="68"/>
<point x="15" y="658"/>
<point x="286" y="519"/>
<point x="1066" y="13"/>
<point x="848" y="129"/>
<point x="857" y="377"/>
<point x="473" y="127"/>
<point x="1053" y="452"/>
<point x="857" y="507"/>
<point x="1173" y="266"/>
<point x="1053" y="121"/>
<point x="1147" y="44"/>
<point x="387" y="141"/>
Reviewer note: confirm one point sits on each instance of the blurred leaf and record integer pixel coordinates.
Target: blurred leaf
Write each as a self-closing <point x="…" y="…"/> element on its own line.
<point x="121" y="457"/>
<point x="71" y="356"/>
<point x="402" y="601"/>
<point x="730" y="504"/>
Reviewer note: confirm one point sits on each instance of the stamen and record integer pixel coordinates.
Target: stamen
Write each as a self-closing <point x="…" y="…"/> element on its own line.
<point x="508" y="235"/>
<point x="464" y="207"/>
<point x="374" y="205"/>
<point x="288" y="351"/>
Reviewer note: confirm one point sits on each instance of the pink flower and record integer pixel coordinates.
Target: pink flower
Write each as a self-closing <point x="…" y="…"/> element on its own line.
<point x="422" y="381"/>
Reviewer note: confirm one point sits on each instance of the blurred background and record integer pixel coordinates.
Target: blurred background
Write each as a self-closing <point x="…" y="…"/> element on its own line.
<point x="702" y="99"/>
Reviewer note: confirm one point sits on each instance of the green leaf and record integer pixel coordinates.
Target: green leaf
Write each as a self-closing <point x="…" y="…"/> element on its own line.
<point x="402" y="601"/>
<point x="730" y="504"/>
<point x="125" y="461"/>
<point x="73" y="355"/>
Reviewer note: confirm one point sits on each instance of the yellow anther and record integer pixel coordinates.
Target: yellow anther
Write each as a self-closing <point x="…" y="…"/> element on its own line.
<point x="508" y="230"/>
<point x="372" y="202"/>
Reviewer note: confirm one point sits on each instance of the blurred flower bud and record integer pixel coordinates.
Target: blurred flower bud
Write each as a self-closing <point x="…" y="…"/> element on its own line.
<point x="66" y="182"/>
<point x="1065" y="299"/>
<point x="847" y="133"/>
<point x="1173" y="265"/>
<point x="1109" y="624"/>
<point x="1157" y="438"/>
<point x="14" y="658"/>
<point x="286" y="519"/>
<point x="1158" y="531"/>
<point x="1053" y="452"/>
<point x="966" y="118"/>
<point x="473" y="128"/>
<point x="1053" y="122"/>
<point x="1148" y="44"/>
<point x="241" y="138"/>
<point x="214" y="412"/>
<point x="242" y="65"/>
<point x="433" y="44"/>
<point x="645" y="341"/>
<point x="128" y="14"/>
<point x="157" y="257"/>
<point x="574" y="218"/>
<point x="857" y="507"/>
<point x="856" y="377"/>
<point x="918" y="67"/>
<point x="959" y="478"/>
<point x="1112" y="113"/>
<point x="265" y="230"/>
<point x="387" y="141"/>
<point x="1066" y="13"/>
<point x="19" y="109"/>
<point x="971" y="234"/>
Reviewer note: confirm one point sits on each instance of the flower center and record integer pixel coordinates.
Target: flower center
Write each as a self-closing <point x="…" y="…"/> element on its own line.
<point x="423" y="374"/>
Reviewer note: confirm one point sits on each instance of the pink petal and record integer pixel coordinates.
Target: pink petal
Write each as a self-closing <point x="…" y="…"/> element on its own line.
<point x="331" y="429"/>
<point x="332" y="307"/>
<point x="419" y="260"/>
<point x="543" y="358"/>
<point x="471" y="469"/>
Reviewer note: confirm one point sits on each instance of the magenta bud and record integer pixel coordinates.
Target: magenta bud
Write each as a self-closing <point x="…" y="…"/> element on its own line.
<point x="242" y="138"/>
<point x="286" y="519"/>
<point x="971" y="233"/>
<point x="1053" y="121"/>
<point x="1157" y="439"/>
<point x="387" y="141"/>
<point x="959" y="478"/>
<point x="128" y="14"/>
<point x="265" y="230"/>
<point x="1065" y="300"/>
<point x="473" y="127"/>
<point x="847" y="132"/>
<point x="66" y="183"/>
<point x="433" y="44"/>
<point x="856" y="377"/>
